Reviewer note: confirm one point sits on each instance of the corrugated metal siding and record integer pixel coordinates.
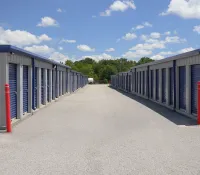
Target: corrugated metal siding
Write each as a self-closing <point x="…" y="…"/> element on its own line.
<point x="152" y="84"/>
<point x="182" y="87"/>
<point x="19" y="59"/>
<point x="164" y="84"/>
<point x="157" y="84"/>
<point x="171" y="86"/>
<point x="13" y="89"/>
<point x="43" y="64"/>
<point x="195" y="78"/>
<point x="25" y="89"/>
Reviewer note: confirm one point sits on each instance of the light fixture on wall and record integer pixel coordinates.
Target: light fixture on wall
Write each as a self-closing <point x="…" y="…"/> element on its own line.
<point x="12" y="53"/>
<point x="54" y="66"/>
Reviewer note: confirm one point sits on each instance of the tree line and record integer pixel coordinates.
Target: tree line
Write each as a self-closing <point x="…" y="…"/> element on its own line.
<point x="102" y="70"/>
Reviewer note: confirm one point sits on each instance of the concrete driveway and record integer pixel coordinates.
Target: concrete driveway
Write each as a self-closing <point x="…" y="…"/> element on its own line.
<point x="99" y="131"/>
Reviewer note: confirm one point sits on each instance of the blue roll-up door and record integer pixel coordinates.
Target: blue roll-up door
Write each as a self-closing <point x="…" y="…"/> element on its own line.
<point x="36" y="88"/>
<point x="171" y="86"/>
<point x="164" y="84"/>
<point x="157" y="84"/>
<point x="42" y="86"/>
<point x="25" y="89"/>
<point x="195" y="78"/>
<point x="182" y="88"/>
<point x="143" y="83"/>
<point x="48" y="84"/>
<point x="152" y="83"/>
<point x="13" y="89"/>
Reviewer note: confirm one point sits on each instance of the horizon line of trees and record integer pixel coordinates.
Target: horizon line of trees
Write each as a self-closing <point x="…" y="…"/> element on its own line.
<point x="102" y="70"/>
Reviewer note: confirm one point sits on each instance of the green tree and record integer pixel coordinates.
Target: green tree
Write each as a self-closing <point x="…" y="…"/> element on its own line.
<point x="69" y="63"/>
<point x="144" y="60"/>
<point x="102" y="70"/>
<point x="107" y="71"/>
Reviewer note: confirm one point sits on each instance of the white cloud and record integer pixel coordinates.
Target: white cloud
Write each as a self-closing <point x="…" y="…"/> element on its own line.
<point x="147" y="46"/>
<point x="21" y="37"/>
<point x="103" y="56"/>
<point x="59" y="57"/>
<point x="162" y="55"/>
<point x="166" y="53"/>
<point x="184" y="8"/>
<point x="137" y="54"/>
<point x="93" y="16"/>
<point x="144" y="37"/>
<point x="129" y="36"/>
<point x="153" y="38"/>
<point x="147" y="24"/>
<point x="47" y="22"/>
<point x="186" y="50"/>
<point x="44" y="37"/>
<point x="197" y="29"/>
<point x="174" y="39"/>
<point x="67" y="41"/>
<point x="59" y="10"/>
<point x="60" y="48"/>
<point x="110" y="50"/>
<point x="167" y="33"/>
<point x="155" y="35"/>
<point x="85" y="48"/>
<point x="150" y="40"/>
<point x="119" y="5"/>
<point x="139" y="27"/>
<point x="157" y="57"/>
<point x="42" y="50"/>
<point x="175" y="32"/>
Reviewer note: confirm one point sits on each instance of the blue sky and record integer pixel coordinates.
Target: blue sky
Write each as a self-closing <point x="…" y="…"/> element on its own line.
<point x="103" y="29"/>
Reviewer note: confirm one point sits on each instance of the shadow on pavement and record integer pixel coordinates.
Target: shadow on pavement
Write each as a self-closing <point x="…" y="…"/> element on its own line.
<point x="171" y="115"/>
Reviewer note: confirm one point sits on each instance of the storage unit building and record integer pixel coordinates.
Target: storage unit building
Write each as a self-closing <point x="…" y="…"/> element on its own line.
<point x="171" y="82"/>
<point x="33" y="81"/>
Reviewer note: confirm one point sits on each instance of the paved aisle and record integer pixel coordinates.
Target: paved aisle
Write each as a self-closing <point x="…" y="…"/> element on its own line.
<point x="99" y="131"/>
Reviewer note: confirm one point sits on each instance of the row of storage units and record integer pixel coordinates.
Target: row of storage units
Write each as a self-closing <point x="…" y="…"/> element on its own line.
<point x="34" y="81"/>
<point x="171" y="82"/>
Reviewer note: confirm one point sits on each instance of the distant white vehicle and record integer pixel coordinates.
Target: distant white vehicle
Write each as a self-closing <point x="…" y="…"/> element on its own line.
<point x="90" y="80"/>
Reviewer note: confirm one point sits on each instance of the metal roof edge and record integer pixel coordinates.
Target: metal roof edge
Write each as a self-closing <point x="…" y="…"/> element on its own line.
<point x="175" y="57"/>
<point x="14" y="49"/>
